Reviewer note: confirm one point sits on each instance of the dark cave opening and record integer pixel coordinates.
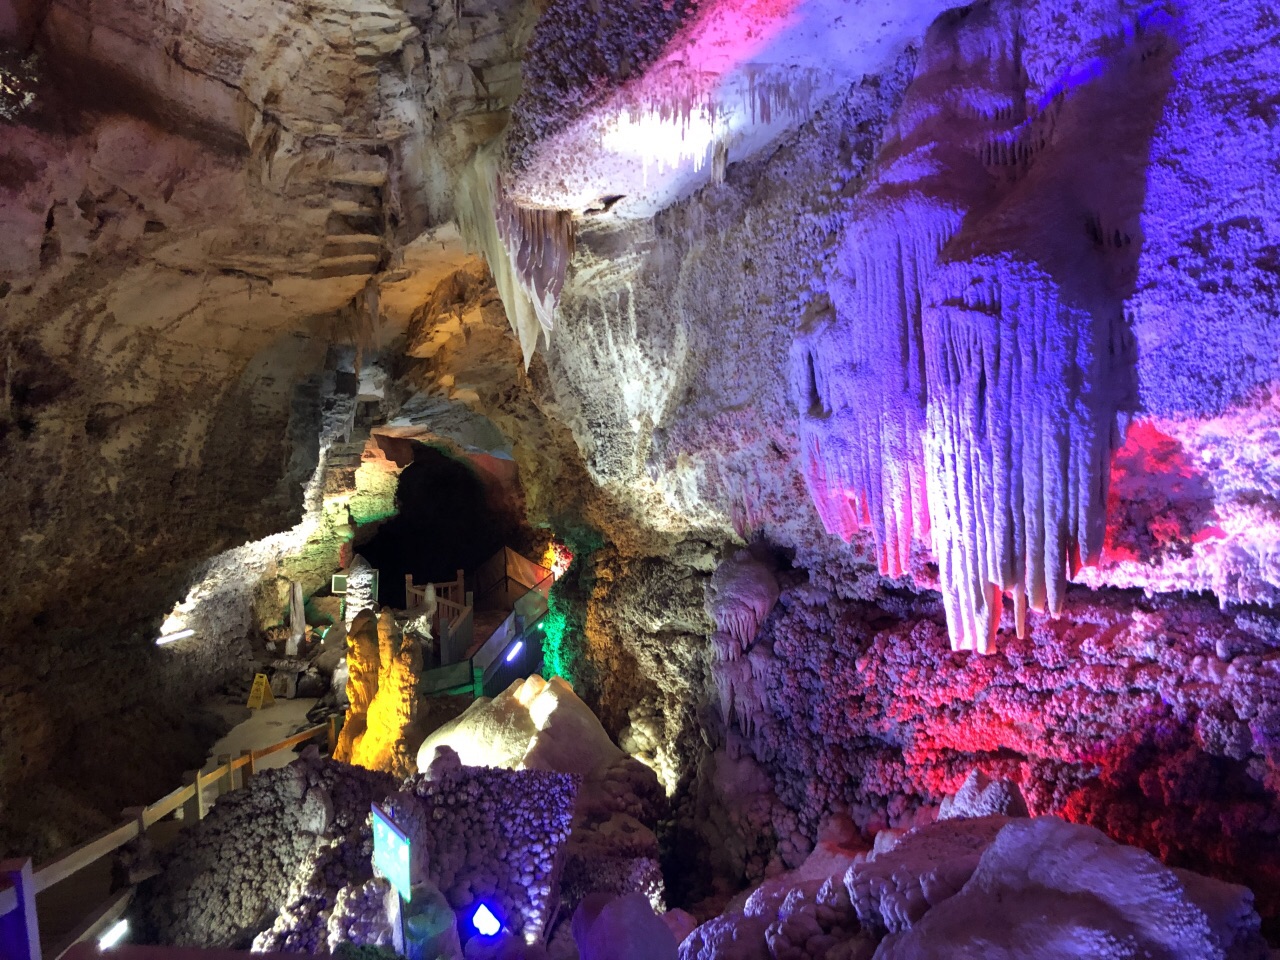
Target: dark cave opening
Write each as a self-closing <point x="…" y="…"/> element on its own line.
<point x="449" y="517"/>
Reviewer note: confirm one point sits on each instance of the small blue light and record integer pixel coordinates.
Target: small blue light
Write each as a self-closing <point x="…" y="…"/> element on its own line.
<point x="486" y="924"/>
<point x="515" y="651"/>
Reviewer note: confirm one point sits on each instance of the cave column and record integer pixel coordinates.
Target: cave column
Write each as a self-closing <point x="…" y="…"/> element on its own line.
<point x="297" y="619"/>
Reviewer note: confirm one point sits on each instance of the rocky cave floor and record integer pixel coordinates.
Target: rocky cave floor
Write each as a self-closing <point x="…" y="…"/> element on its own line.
<point x="524" y="805"/>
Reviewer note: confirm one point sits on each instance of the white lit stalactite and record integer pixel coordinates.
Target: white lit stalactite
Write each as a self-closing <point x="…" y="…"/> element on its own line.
<point x="861" y="381"/>
<point x="528" y="250"/>
<point x="858" y="371"/>
<point x="1024" y="390"/>
<point x="1029" y="358"/>
<point x="539" y="243"/>
<point x="742" y="592"/>
<point x="995" y="377"/>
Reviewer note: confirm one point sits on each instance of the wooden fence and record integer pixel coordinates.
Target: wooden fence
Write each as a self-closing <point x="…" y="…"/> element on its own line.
<point x="453" y="624"/>
<point x="20" y="882"/>
<point x="514" y="648"/>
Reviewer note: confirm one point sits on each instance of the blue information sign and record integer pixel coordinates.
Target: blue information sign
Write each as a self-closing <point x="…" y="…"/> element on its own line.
<point x="391" y="852"/>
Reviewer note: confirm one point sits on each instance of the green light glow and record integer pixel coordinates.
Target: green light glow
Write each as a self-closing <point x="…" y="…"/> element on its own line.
<point x="555" y="655"/>
<point x="564" y="626"/>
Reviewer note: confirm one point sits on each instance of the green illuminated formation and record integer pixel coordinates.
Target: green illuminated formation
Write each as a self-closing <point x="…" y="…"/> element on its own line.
<point x="557" y="659"/>
<point x="563" y="645"/>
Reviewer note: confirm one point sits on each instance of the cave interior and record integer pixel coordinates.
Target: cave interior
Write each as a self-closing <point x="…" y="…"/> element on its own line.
<point x="819" y="461"/>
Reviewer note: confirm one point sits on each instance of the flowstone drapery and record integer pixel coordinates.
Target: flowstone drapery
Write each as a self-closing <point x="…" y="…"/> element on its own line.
<point x="528" y="250"/>
<point x="859" y="377"/>
<point x="963" y="396"/>
<point x="1020" y="415"/>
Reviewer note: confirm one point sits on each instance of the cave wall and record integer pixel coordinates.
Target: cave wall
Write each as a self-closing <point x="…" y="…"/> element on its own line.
<point x="678" y="341"/>
<point x="1151" y="718"/>
<point x="701" y="359"/>
<point x="194" y="203"/>
<point x="134" y="443"/>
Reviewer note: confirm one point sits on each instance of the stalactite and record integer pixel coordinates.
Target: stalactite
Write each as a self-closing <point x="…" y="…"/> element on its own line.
<point x="861" y="381"/>
<point x="1023" y="395"/>
<point x="1020" y="363"/>
<point x="859" y="377"/>
<point x="528" y="250"/>
<point x="540" y="244"/>
<point x="739" y="694"/>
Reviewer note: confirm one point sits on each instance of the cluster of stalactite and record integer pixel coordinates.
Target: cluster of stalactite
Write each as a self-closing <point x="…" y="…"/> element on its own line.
<point x="964" y="390"/>
<point x="540" y="245"/>
<point x="528" y="249"/>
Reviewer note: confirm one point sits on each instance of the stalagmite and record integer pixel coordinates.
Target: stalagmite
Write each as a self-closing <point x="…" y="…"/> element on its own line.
<point x="385" y="666"/>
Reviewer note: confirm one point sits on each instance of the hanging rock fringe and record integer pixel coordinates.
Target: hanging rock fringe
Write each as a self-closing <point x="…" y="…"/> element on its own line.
<point x="540" y="244"/>
<point x="1023" y="398"/>
<point x="528" y="250"/>
<point x="860" y="382"/>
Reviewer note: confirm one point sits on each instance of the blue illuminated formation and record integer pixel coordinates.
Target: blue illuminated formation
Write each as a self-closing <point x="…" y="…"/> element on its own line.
<point x="391" y="853"/>
<point x="515" y="650"/>
<point x="486" y="924"/>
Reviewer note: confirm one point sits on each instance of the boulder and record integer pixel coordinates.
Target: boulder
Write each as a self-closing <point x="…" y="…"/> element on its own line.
<point x="622" y="928"/>
<point x="534" y="724"/>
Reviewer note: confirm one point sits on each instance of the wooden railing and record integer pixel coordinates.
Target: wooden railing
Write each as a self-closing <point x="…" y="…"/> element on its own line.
<point x="415" y="596"/>
<point x="19" y="924"/>
<point x="506" y="577"/>
<point x="452" y="624"/>
<point x="454" y="628"/>
<point x="514" y="648"/>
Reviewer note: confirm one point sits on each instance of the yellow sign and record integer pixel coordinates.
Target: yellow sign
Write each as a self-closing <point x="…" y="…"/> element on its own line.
<point x="261" y="695"/>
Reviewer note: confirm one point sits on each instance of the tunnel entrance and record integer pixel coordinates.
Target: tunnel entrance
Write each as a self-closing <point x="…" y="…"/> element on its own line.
<point x="449" y="517"/>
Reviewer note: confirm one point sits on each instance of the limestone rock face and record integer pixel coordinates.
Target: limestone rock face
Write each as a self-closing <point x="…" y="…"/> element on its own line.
<point x="276" y="843"/>
<point x="484" y="835"/>
<point x="992" y="318"/>
<point x="1063" y="888"/>
<point x="1060" y="889"/>
<point x="193" y="205"/>
<point x="624" y="928"/>
<point x="980" y="796"/>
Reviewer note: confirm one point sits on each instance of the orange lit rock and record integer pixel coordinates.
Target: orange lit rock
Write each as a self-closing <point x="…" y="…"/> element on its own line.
<point x="384" y="668"/>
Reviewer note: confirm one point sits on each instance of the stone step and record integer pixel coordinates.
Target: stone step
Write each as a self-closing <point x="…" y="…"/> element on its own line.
<point x="372" y="24"/>
<point x="350" y="208"/>
<point x="360" y="178"/>
<point x="376" y="46"/>
<point x="350" y="243"/>
<point x="358" y="264"/>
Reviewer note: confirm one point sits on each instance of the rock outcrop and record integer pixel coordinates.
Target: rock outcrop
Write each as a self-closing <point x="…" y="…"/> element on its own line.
<point x="1061" y="889"/>
<point x="384" y="668"/>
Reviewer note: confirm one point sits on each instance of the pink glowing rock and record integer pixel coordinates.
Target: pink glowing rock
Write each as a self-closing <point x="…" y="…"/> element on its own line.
<point x="740" y="595"/>
<point x="621" y="928"/>
<point x="1066" y="891"/>
<point x="980" y="796"/>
